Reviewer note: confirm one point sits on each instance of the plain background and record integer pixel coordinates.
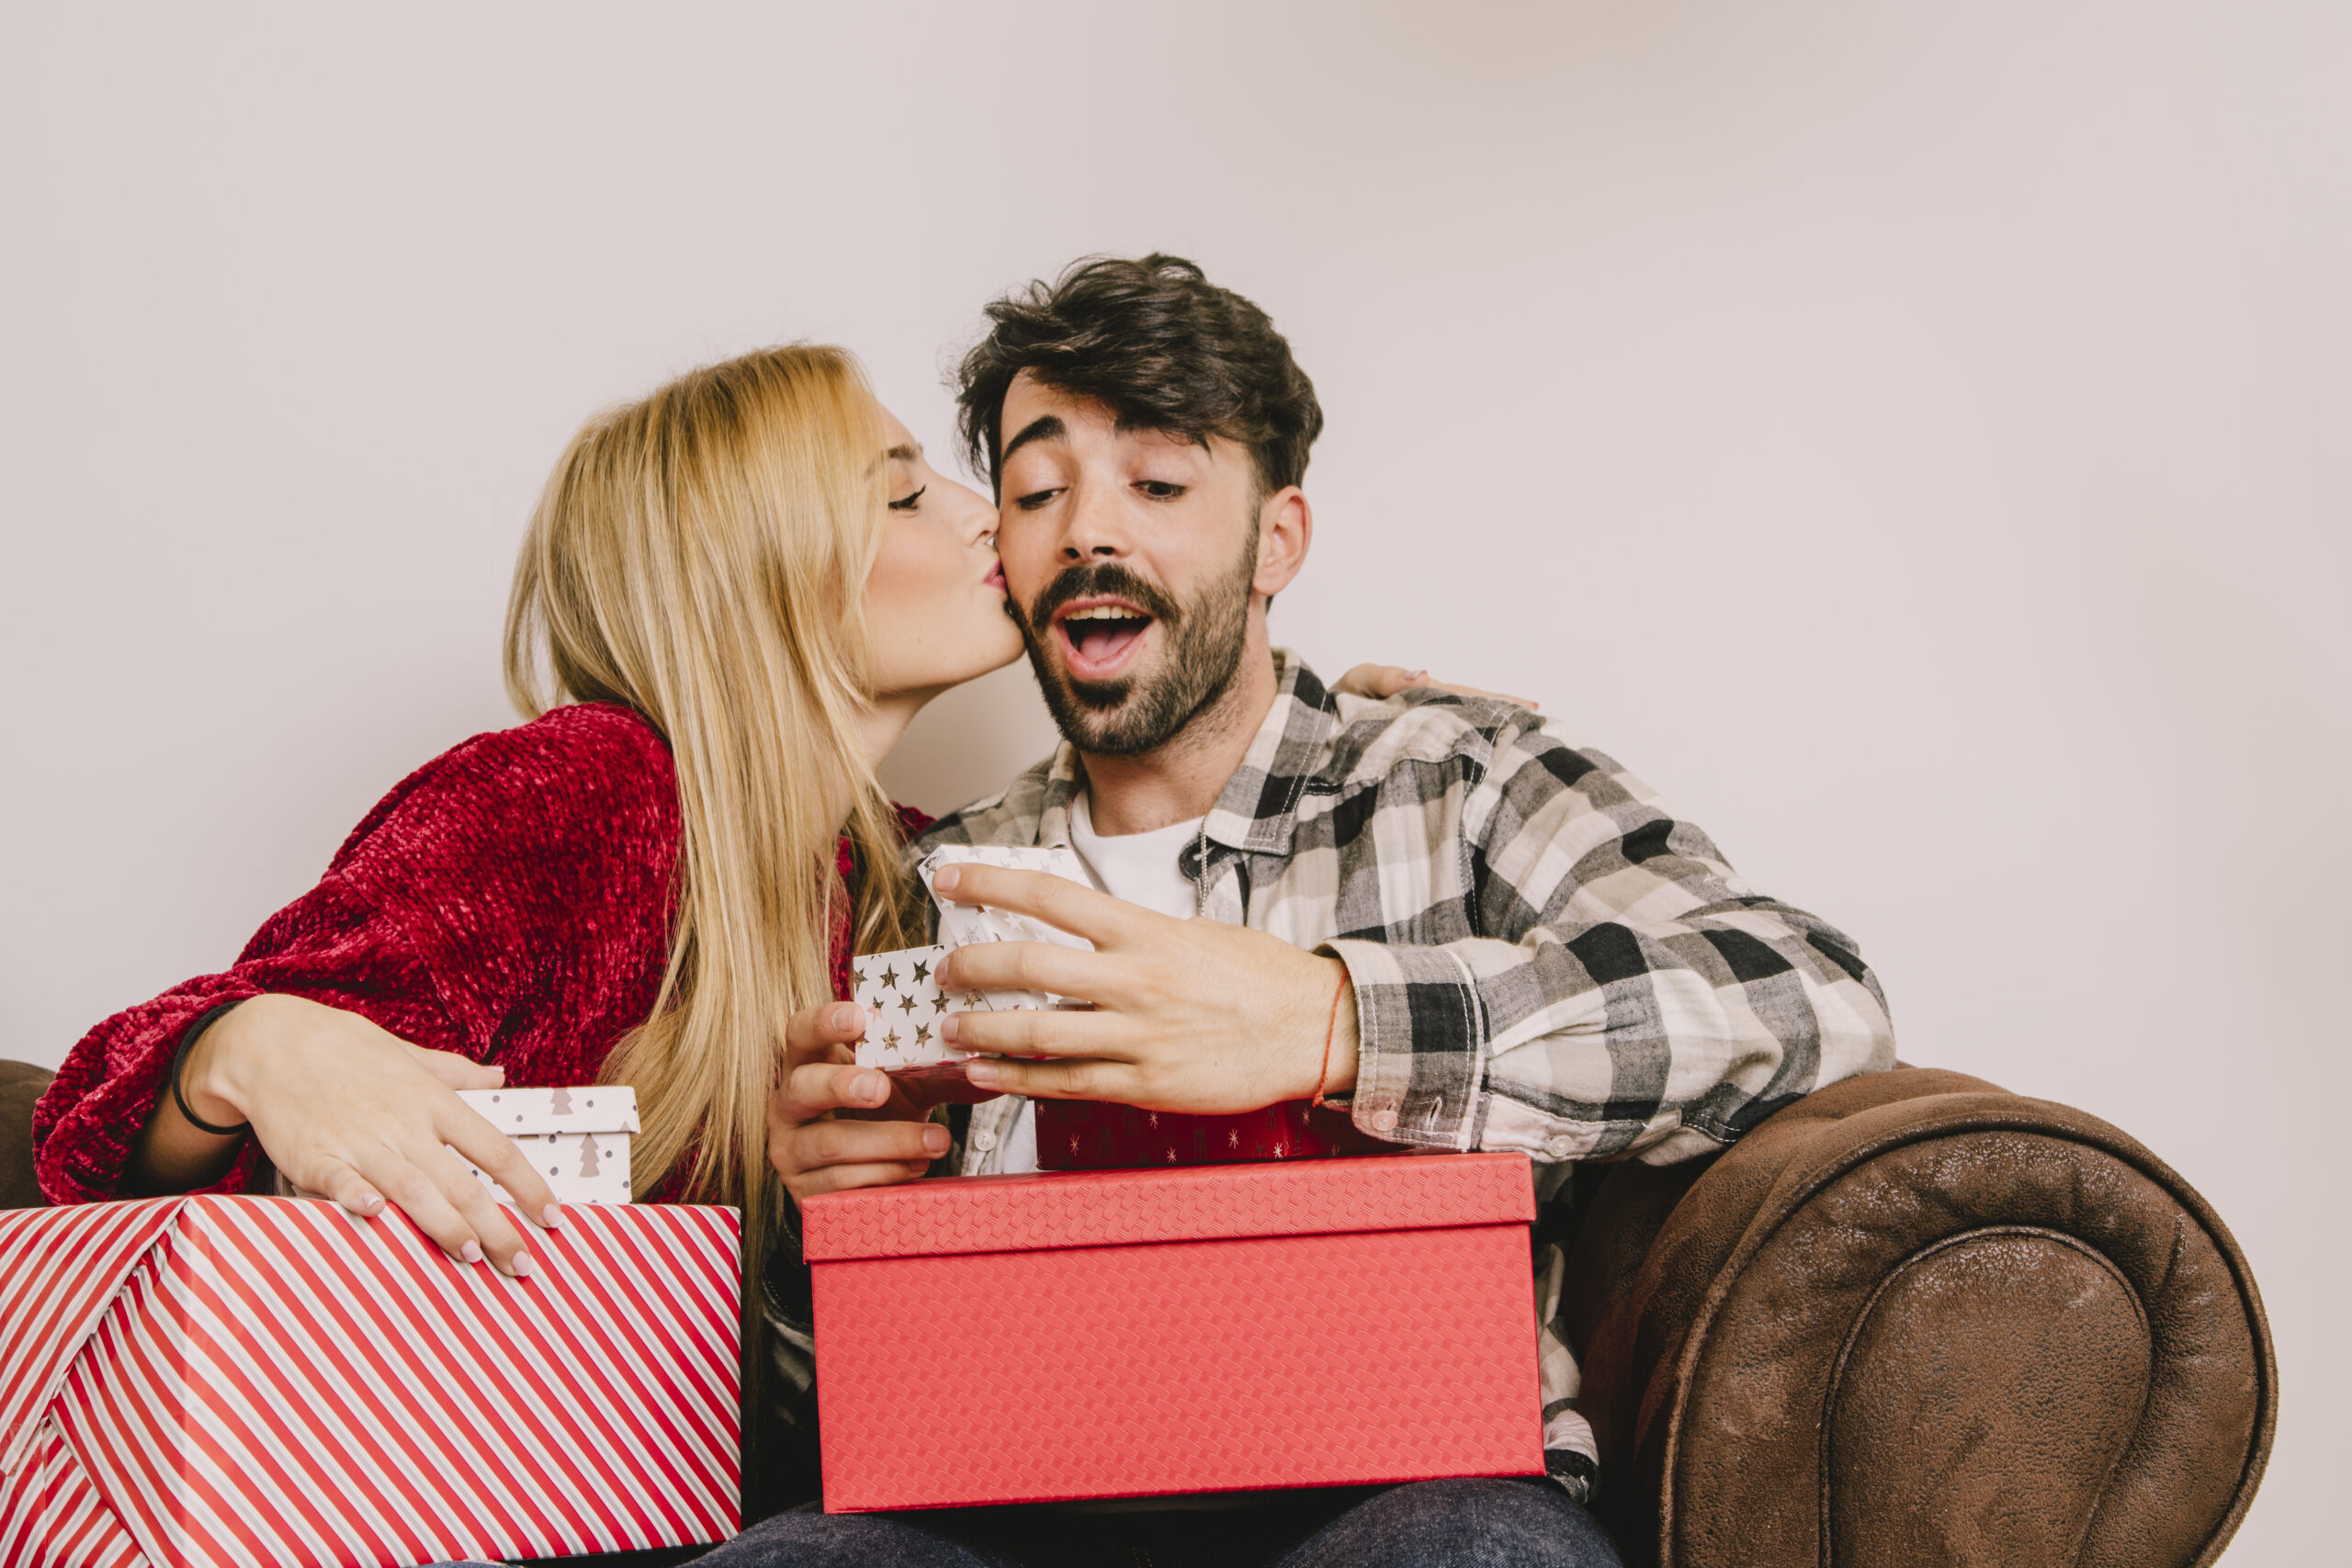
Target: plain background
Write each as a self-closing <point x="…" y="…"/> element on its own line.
<point x="1912" y="436"/>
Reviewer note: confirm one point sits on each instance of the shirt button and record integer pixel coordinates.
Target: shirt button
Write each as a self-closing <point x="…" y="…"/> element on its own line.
<point x="984" y="1140"/>
<point x="1384" y="1120"/>
<point x="1560" y="1147"/>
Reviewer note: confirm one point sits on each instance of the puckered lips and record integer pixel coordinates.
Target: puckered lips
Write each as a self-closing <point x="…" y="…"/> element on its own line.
<point x="1102" y="634"/>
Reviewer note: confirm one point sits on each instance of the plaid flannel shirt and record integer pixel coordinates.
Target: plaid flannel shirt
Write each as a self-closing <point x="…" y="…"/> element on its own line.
<point x="1544" y="958"/>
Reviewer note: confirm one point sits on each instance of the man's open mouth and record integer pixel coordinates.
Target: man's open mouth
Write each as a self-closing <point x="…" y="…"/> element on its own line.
<point x="1099" y="636"/>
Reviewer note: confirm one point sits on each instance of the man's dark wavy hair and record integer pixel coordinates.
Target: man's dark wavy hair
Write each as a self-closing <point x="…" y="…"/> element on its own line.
<point x="1161" y="346"/>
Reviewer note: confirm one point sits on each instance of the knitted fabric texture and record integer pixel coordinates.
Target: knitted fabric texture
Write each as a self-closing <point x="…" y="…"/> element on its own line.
<point x="510" y="901"/>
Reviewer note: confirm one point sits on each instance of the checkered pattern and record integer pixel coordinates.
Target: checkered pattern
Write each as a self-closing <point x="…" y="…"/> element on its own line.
<point x="1544" y="958"/>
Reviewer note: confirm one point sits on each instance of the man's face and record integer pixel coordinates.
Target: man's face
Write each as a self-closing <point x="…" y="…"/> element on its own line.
<point x="1129" y="560"/>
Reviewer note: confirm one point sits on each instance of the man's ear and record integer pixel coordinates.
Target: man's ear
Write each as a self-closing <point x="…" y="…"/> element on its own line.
<point x="1285" y="529"/>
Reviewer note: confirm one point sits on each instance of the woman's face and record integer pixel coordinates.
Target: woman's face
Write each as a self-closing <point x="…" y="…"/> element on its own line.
<point x="935" y="602"/>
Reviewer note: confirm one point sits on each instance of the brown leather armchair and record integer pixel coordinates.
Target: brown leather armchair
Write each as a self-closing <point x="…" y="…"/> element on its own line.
<point x="1912" y="1319"/>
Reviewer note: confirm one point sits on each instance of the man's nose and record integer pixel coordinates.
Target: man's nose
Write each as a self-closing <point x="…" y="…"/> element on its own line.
<point x="1096" y="531"/>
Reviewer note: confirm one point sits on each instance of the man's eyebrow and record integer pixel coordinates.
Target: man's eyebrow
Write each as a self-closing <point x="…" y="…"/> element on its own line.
<point x="1199" y="438"/>
<point x="1045" y="427"/>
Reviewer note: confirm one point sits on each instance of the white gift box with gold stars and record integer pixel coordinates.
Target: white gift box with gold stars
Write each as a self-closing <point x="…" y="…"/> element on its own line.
<point x="903" y="1008"/>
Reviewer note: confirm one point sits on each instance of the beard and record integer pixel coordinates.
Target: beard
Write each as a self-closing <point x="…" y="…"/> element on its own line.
<point x="1140" y="712"/>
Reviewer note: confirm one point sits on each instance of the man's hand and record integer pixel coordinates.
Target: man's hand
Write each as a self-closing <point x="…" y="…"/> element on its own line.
<point x="1191" y="1016"/>
<point x="832" y="1124"/>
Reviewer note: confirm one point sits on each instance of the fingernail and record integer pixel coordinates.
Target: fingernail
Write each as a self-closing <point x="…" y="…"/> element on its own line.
<point x="873" y="1087"/>
<point x="1418" y="673"/>
<point x="552" y="1216"/>
<point x="846" y="1017"/>
<point x="946" y="880"/>
<point x="499" y="1072"/>
<point x="934" y="1141"/>
<point x="522" y="1269"/>
<point x="949" y="1029"/>
<point x="988" y="1075"/>
<point x="471" y="1252"/>
<point x="370" y="1204"/>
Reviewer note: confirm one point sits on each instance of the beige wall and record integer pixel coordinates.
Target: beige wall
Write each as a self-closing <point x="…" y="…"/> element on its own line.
<point x="1910" y="436"/>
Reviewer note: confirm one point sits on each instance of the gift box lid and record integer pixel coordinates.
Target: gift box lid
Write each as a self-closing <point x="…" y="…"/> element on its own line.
<point x="1115" y="1208"/>
<point x="531" y="1112"/>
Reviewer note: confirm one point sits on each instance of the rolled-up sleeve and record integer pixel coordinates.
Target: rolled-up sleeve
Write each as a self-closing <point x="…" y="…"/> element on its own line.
<point x="1628" y="993"/>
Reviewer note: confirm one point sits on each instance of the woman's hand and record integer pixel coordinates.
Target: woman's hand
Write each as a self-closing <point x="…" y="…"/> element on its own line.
<point x="351" y="1113"/>
<point x="832" y="1124"/>
<point x="1378" y="680"/>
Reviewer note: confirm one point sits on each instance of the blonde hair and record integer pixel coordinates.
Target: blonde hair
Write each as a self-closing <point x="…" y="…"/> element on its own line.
<point x="699" y="557"/>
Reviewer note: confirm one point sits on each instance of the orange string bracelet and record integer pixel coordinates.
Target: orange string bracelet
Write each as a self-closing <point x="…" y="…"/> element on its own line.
<point x="1330" y="1032"/>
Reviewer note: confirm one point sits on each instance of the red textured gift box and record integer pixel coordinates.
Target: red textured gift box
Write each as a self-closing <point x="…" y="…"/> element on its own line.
<point x="1138" y="1333"/>
<point x="268" y="1382"/>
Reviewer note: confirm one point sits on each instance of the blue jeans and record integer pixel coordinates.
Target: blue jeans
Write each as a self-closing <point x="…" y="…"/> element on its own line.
<point x="1428" y="1524"/>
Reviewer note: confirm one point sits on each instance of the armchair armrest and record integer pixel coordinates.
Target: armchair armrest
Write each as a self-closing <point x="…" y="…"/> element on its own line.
<point x="21" y="1084"/>
<point x="1916" y="1319"/>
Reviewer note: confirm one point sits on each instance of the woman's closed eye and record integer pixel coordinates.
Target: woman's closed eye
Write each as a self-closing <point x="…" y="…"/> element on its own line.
<point x="908" y="503"/>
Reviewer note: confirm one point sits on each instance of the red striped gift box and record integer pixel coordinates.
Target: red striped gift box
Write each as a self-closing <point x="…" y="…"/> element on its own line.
<point x="203" y="1382"/>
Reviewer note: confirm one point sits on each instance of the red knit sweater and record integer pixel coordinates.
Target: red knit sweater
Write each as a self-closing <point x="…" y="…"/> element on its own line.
<point x="510" y="901"/>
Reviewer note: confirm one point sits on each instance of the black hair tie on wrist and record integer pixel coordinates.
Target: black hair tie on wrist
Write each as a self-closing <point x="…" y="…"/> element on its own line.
<point x="179" y="1059"/>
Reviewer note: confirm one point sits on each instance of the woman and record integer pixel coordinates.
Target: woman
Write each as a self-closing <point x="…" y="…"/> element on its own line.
<point x="741" y="589"/>
<point x="633" y="887"/>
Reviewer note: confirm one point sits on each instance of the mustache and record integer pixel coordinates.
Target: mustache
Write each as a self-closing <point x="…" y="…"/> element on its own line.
<point x="1109" y="578"/>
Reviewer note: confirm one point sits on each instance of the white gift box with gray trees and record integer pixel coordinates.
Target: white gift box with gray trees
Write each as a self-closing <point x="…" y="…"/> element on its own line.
<point x="577" y="1139"/>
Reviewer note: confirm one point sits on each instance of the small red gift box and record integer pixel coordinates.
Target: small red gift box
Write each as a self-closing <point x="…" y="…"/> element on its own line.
<point x="268" y="1382"/>
<point x="1139" y="1333"/>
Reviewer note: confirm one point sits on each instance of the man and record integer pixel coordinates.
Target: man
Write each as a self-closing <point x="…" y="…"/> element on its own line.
<point x="1438" y="910"/>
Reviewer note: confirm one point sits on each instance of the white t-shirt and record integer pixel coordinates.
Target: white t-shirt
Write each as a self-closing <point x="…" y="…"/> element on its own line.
<point x="1138" y="867"/>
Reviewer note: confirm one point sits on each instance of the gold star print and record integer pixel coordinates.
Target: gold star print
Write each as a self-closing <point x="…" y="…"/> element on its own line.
<point x="859" y="970"/>
<point x="922" y="1034"/>
<point x="890" y="978"/>
<point x="938" y="1003"/>
<point x="906" y="1004"/>
<point x="922" y="972"/>
<point x="890" y="1041"/>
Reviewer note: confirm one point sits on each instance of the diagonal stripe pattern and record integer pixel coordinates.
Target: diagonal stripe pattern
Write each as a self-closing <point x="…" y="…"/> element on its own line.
<point x="51" y="1516"/>
<point x="58" y="1271"/>
<point x="279" y="1384"/>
